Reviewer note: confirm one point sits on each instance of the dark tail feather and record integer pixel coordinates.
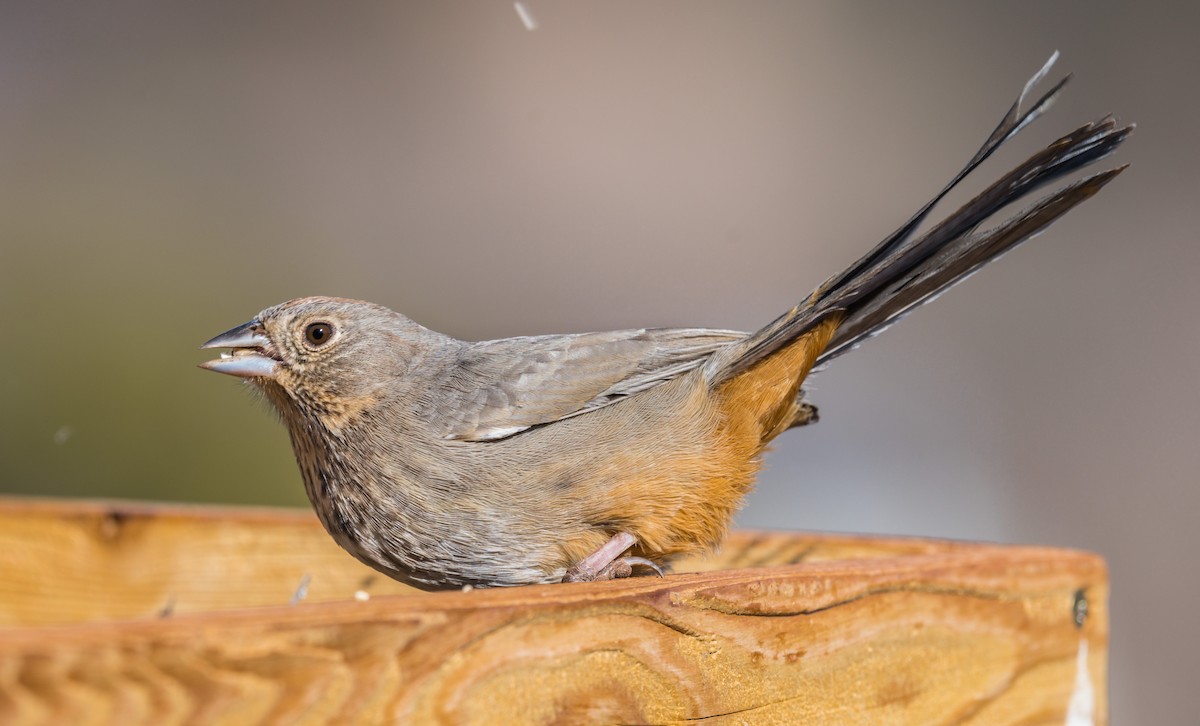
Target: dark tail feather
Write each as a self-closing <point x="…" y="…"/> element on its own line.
<point x="904" y="271"/>
<point x="1009" y="126"/>
<point x="952" y="265"/>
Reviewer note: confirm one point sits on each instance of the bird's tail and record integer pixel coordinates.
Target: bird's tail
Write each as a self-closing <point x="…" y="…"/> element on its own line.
<point x="906" y="270"/>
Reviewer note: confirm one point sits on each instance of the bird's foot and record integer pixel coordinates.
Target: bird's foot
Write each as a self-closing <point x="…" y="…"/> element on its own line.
<point x="606" y="562"/>
<point x="618" y="568"/>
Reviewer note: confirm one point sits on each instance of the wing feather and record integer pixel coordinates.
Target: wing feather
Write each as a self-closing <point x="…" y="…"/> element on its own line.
<point x="498" y="388"/>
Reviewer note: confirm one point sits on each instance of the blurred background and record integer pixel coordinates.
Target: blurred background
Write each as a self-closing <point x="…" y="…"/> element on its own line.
<point x="169" y="169"/>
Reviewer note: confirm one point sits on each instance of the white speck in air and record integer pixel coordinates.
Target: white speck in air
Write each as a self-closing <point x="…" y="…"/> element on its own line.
<point x="526" y="17"/>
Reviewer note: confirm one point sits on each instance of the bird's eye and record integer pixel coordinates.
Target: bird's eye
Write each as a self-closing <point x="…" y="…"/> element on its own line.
<point x="318" y="334"/>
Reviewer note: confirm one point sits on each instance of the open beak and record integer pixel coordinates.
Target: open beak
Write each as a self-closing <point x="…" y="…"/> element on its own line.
<point x="248" y="357"/>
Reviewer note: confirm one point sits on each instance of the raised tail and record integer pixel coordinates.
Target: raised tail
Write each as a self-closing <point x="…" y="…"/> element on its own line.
<point x="906" y="270"/>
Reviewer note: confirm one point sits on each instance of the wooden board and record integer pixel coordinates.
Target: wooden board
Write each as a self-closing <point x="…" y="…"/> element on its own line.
<point x="778" y="628"/>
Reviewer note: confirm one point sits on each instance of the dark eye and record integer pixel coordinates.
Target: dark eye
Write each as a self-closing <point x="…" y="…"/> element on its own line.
<point x="318" y="334"/>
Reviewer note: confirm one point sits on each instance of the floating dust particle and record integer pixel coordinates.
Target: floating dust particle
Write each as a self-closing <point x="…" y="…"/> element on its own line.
<point x="526" y="16"/>
<point x="301" y="590"/>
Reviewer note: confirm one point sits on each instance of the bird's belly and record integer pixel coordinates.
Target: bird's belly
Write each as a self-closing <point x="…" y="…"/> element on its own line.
<point x="426" y="545"/>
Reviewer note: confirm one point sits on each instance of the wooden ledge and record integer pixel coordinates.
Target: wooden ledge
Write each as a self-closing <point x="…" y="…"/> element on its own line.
<point x="127" y="613"/>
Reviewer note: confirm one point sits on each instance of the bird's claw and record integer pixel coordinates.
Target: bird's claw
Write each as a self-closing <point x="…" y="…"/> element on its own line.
<point x="618" y="568"/>
<point x="642" y="561"/>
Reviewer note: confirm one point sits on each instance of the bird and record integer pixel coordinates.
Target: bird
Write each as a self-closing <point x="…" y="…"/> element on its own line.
<point x="445" y="463"/>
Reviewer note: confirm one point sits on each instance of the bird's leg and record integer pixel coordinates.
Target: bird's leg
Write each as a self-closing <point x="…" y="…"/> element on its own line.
<point x="606" y="562"/>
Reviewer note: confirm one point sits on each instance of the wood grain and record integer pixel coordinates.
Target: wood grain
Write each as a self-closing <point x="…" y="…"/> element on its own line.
<point x="778" y="628"/>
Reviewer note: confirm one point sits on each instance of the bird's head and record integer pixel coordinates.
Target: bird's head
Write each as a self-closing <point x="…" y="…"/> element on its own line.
<point x="321" y="358"/>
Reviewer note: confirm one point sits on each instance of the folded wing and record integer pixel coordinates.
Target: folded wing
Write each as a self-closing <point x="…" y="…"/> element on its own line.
<point x="502" y="387"/>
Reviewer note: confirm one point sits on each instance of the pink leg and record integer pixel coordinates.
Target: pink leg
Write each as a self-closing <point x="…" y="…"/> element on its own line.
<point x="606" y="562"/>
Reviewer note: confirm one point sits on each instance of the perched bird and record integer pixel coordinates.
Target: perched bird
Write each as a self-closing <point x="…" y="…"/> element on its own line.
<point x="445" y="463"/>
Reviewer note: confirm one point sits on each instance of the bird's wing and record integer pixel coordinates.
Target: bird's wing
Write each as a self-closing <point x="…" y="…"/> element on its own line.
<point x="498" y="388"/>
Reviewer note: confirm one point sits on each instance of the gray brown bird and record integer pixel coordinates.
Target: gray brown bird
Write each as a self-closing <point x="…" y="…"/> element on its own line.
<point x="445" y="463"/>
